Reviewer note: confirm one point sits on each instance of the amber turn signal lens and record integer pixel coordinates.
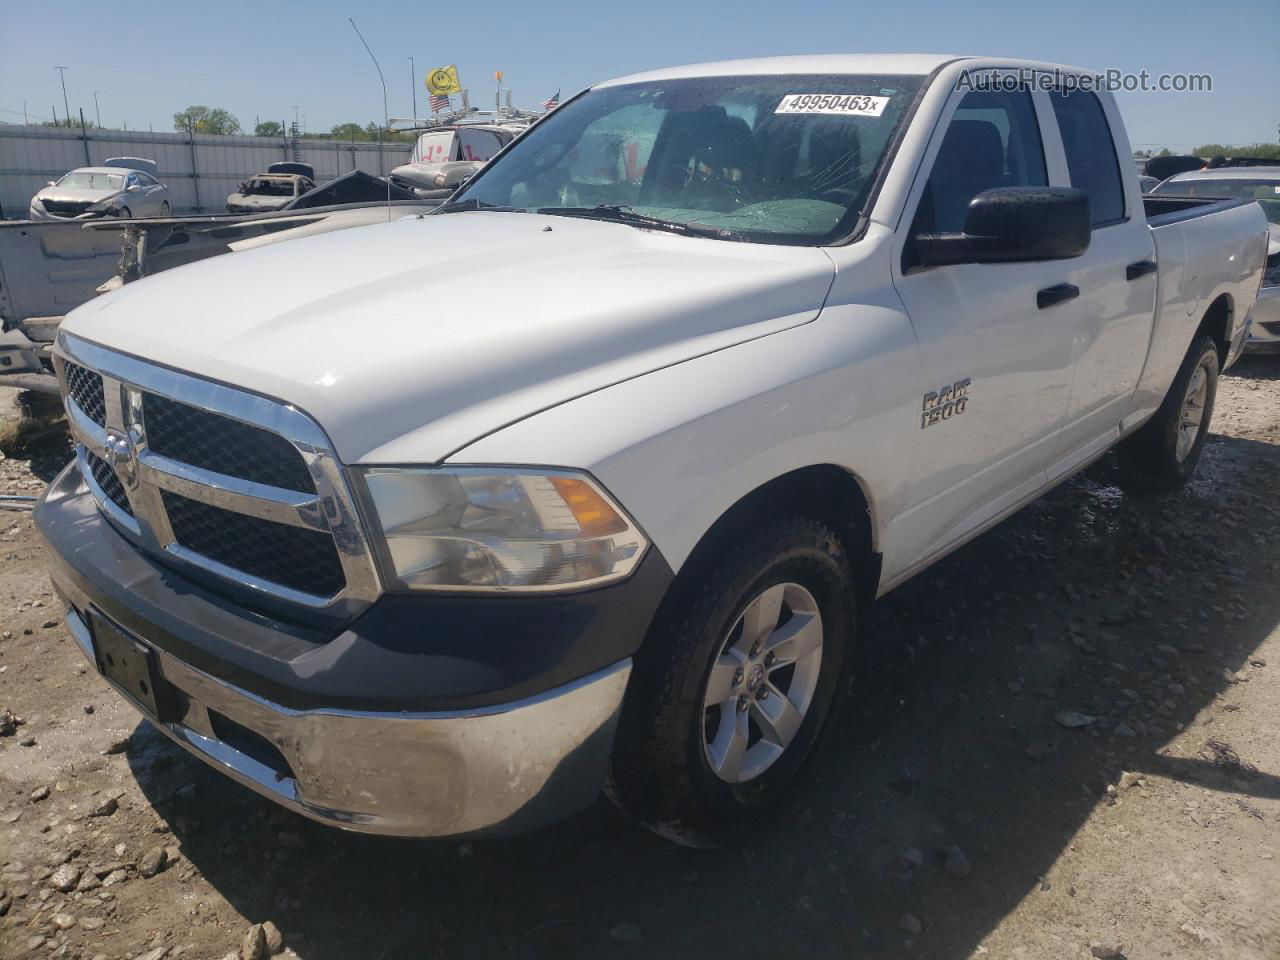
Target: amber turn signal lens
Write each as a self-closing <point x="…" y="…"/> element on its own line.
<point x="594" y="515"/>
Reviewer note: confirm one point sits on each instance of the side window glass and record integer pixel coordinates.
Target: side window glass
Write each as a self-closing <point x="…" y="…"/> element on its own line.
<point x="479" y="144"/>
<point x="992" y="141"/>
<point x="1091" y="154"/>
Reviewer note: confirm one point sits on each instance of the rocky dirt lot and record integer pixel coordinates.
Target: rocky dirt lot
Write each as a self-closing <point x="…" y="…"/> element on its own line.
<point x="1065" y="743"/>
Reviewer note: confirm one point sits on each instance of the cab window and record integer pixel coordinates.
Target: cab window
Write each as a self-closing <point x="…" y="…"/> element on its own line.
<point x="993" y="140"/>
<point x="478" y="144"/>
<point x="1091" y="154"/>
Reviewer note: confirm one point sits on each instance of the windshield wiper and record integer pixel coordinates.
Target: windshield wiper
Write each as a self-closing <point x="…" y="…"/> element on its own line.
<point x="621" y="213"/>
<point x="473" y="203"/>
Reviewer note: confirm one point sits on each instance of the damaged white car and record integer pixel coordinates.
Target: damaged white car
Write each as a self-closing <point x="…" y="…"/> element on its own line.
<point x="121" y="187"/>
<point x="274" y="190"/>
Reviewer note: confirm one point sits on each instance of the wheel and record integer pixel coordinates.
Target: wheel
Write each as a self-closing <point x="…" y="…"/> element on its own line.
<point x="1161" y="456"/>
<point x="125" y="213"/>
<point x="732" y="688"/>
<point x="164" y="209"/>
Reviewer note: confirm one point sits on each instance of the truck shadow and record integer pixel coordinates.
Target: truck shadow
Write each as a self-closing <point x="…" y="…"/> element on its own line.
<point x="1133" y="612"/>
<point x="1257" y="366"/>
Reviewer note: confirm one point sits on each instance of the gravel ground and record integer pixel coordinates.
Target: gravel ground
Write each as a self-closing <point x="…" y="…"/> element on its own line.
<point x="1066" y="744"/>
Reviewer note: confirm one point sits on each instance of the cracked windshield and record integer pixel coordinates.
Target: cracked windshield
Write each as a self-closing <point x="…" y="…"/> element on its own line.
<point x="783" y="157"/>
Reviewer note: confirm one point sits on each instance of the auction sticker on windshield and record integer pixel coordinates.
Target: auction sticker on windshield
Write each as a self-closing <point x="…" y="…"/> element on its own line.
<point x="842" y="104"/>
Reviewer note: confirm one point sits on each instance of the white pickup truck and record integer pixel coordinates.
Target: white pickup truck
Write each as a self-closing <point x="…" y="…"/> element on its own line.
<point x="441" y="525"/>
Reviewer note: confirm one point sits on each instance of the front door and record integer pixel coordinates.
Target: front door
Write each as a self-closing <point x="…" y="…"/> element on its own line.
<point x="995" y="369"/>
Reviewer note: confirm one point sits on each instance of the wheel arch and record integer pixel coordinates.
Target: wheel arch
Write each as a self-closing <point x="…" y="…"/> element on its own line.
<point x="825" y="492"/>
<point x="1218" y="322"/>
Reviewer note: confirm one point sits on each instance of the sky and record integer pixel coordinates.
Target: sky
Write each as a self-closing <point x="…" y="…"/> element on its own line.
<point x="261" y="59"/>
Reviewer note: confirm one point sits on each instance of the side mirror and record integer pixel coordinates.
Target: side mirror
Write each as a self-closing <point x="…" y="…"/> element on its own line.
<point x="52" y="183"/>
<point x="1013" y="225"/>
<point x="133" y="187"/>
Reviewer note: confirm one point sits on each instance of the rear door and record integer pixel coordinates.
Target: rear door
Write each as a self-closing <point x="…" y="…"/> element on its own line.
<point x="1116" y="277"/>
<point x="995" y="368"/>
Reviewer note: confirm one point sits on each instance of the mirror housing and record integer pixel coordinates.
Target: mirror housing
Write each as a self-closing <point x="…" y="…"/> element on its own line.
<point x="133" y="188"/>
<point x="1013" y="225"/>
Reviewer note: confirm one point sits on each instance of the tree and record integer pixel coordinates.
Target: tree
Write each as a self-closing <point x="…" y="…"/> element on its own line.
<point x="1270" y="151"/>
<point x="205" y="120"/>
<point x="349" y="131"/>
<point x="270" y="128"/>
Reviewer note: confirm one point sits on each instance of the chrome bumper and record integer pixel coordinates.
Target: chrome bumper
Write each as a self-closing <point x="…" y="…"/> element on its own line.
<point x="510" y="767"/>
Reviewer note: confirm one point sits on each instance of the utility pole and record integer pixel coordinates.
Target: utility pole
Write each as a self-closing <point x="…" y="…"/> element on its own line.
<point x="295" y="116"/>
<point x="97" y="111"/>
<point x="25" y="121"/>
<point x="62" y="72"/>
<point x="413" y="85"/>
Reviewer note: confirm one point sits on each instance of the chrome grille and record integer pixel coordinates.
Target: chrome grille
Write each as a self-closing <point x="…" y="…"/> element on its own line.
<point x="304" y="560"/>
<point x="202" y="439"/>
<point x="85" y="388"/>
<point x="229" y="486"/>
<point x="106" y="478"/>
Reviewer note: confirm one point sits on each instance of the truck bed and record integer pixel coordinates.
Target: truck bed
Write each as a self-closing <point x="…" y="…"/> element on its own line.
<point x="1166" y="210"/>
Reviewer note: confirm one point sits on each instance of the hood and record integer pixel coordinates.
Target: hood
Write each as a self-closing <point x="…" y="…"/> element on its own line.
<point x="75" y="194"/>
<point x="408" y="340"/>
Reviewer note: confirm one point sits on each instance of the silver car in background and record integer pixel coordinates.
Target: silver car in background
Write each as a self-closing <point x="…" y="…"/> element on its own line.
<point x="1245" y="183"/>
<point x="121" y="187"/>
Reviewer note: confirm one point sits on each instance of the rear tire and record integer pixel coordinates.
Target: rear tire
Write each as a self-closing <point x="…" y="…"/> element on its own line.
<point x="1162" y="455"/>
<point x="729" y="694"/>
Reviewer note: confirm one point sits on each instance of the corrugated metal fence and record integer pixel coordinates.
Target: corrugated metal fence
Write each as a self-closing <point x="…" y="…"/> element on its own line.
<point x="200" y="170"/>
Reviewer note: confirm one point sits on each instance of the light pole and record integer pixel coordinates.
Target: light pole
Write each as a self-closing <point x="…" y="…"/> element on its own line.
<point x="96" y="111"/>
<point x="413" y="85"/>
<point x="66" y="107"/>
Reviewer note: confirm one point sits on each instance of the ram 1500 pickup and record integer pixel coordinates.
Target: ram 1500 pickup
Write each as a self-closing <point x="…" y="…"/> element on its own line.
<point x="582" y="481"/>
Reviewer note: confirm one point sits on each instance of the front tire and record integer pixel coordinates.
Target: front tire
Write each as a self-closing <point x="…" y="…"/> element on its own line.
<point x="735" y="683"/>
<point x="1162" y="455"/>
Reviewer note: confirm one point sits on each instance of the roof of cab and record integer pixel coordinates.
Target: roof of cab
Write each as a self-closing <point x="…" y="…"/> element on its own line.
<point x="834" y="63"/>
<point x="874" y="64"/>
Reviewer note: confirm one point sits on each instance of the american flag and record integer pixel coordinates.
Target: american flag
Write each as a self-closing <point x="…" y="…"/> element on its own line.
<point x="439" y="101"/>
<point x="552" y="101"/>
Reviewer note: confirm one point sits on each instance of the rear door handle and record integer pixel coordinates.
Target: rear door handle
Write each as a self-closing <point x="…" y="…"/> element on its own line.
<point x="1140" y="269"/>
<point x="1056" y="294"/>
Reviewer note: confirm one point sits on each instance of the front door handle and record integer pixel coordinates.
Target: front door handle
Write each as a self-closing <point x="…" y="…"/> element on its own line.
<point x="1140" y="269"/>
<point x="1056" y="294"/>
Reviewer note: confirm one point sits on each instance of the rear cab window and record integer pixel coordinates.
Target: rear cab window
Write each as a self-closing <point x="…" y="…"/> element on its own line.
<point x="1091" y="154"/>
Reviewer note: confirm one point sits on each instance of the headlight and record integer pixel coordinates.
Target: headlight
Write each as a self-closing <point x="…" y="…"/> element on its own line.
<point x="478" y="528"/>
<point x="1271" y="272"/>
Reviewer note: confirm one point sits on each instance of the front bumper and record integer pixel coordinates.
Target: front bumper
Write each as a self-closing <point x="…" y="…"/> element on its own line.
<point x="489" y="743"/>
<point x="499" y="769"/>
<point x="1264" y="333"/>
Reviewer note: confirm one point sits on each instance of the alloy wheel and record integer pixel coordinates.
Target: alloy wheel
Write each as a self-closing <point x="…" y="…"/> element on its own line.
<point x="762" y="682"/>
